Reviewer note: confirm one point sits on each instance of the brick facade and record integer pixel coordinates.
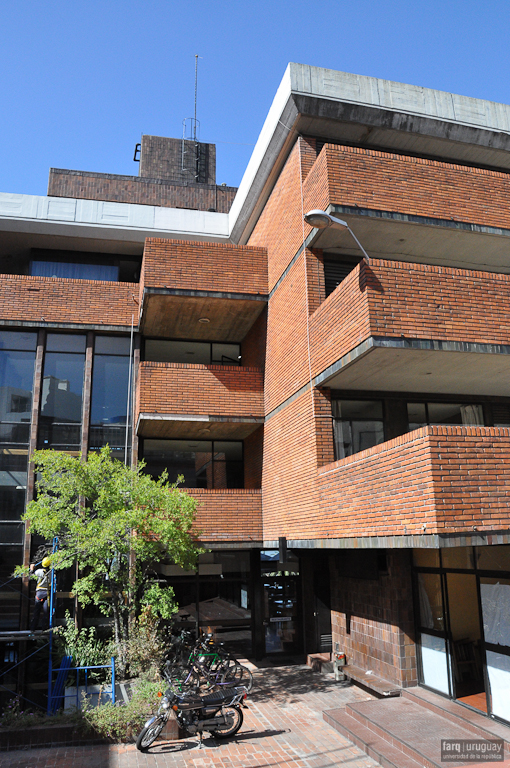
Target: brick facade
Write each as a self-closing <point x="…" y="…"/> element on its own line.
<point x="114" y="188"/>
<point x="228" y="515"/>
<point x="219" y="390"/>
<point x="372" y="620"/>
<point x="52" y="300"/>
<point x="203" y="266"/>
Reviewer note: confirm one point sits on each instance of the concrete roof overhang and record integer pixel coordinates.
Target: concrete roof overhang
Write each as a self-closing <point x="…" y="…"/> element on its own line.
<point x="366" y="111"/>
<point x="422" y="365"/>
<point x="174" y="426"/>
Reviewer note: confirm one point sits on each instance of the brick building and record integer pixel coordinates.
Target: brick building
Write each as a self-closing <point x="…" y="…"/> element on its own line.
<point x="356" y="410"/>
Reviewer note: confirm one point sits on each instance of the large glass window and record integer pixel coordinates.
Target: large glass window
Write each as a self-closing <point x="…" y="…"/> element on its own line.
<point x="194" y="352"/>
<point x="62" y="269"/>
<point x="203" y="463"/>
<point x="62" y="392"/>
<point x="358" y="424"/>
<point x="110" y="374"/>
<point x="422" y="414"/>
<point x="17" y="360"/>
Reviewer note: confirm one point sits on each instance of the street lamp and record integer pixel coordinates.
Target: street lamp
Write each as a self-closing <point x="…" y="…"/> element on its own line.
<point x="322" y="220"/>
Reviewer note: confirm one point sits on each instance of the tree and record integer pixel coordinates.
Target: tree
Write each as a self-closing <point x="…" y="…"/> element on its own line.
<point x="116" y="523"/>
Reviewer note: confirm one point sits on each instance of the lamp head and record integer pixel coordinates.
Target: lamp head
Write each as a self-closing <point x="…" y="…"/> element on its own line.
<point x="321" y="220"/>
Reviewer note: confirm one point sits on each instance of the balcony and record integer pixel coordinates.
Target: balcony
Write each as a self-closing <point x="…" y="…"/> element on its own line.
<point x="231" y="516"/>
<point x="435" y="480"/>
<point x="415" y="328"/>
<point x="201" y="291"/>
<point x="32" y="300"/>
<point x="411" y="209"/>
<point x="179" y="400"/>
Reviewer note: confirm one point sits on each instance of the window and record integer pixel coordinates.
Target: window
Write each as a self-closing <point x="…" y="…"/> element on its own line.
<point x="358" y="424"/>
<point x="62" y="392"/>
<point x="203" y="463"/>
<point x="422" y="414"/>
<point x="194" y="352"/>
<point x="62" y="269"/>
<point x="110" y="376"/>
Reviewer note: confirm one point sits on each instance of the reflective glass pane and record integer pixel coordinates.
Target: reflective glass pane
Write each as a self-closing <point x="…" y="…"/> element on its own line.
<point x="434" y="663"/>
<point x="355" y="436"/>
<point x="357" y="409"/>
<point x="226" y="354"/>
<point x="498" y="671"/>
<point x="417" y="415"/>
<point x="12" y="501"/>
<point x="65" y="342"/>
<point x="16" y="382"/>
<point x="11" y="533"/>
<point x="426" y="558"/>
<point x="229" y="451"/>
<point x="62" y="387"/>
<point x="457" y="557"/>
<point x="74" y="271"/>
<point x="431" y="601"/>
<point x="496" y="558"/>
<point x="195" y="460"/>
<point x="109" y="389"/>
<point x="163" y="351"/>
<point x="495" y="594"/>
<point x="18" y="340"/>
<point x="112" y="345"/>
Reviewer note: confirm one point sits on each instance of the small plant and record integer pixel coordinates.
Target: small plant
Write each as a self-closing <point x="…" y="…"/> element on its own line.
<point x="122" y="722"/>
<point x="14" y="716"/>
<point x="146" y="644"/>
<point x="83" y="645"/>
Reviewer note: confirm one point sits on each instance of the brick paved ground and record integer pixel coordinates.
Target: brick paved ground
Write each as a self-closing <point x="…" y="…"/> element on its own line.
<point x="283" y="728"/>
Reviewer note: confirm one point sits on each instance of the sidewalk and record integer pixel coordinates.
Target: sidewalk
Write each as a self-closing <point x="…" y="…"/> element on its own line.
<point x="283" y="728"/>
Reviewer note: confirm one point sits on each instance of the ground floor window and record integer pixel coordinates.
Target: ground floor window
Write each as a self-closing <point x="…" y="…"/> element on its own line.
<point x="463" y="608"/>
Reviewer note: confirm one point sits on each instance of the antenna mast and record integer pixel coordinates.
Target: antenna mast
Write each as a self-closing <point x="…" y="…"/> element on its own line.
<point x="190" y="126"/>
<point x="196" y="81"/>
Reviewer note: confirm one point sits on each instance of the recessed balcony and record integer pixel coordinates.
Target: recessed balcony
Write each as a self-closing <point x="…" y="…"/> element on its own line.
<point x="414" y="328"/>
<point x="435" y="480"/>
<point x="208" y="291"/>
<point x="218" y="402"/>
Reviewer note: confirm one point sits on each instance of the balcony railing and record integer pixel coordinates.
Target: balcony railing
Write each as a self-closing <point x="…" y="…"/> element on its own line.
<point x="435" y="480"/>
<point x="233" y="515"/>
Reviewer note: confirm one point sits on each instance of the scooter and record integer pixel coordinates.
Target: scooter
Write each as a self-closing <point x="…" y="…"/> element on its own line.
<point x="218" y="713"/>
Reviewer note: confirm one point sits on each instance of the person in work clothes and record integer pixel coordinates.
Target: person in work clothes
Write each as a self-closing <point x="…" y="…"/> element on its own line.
<point x="43" y="576"/>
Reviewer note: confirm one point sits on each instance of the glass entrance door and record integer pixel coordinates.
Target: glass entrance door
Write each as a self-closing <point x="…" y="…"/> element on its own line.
<point x="495" y="598"/>
<point x="281" y="615"/>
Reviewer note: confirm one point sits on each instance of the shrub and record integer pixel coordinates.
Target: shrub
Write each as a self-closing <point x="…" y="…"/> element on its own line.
<point x="123" y="722"/>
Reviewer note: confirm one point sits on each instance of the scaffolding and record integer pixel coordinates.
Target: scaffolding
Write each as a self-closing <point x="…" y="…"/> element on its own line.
<point x="56" y="688"/>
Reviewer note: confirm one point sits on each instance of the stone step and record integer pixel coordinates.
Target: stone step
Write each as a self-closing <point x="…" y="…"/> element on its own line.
<point x="402" y="726"/>
<point x="478" y="724"/>
<point x="374" y="746"/>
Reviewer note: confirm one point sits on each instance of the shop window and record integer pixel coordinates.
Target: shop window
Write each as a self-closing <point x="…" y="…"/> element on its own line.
<point x="202" y="463"/>
<point x="358" y="424"/>
<point x="192" y="352"/>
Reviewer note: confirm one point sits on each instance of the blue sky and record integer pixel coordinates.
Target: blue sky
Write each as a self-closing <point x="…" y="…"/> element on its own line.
<point x="81" y="81"/>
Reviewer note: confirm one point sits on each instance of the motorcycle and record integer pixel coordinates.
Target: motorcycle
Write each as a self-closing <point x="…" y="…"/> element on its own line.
<point x="218" y="713"/>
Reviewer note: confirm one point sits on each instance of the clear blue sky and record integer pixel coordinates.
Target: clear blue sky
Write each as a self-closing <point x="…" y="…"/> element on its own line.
<point x="81" y="81"/>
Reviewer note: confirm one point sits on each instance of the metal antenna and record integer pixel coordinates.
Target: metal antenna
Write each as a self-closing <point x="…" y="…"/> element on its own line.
<point x="197" y="57"/>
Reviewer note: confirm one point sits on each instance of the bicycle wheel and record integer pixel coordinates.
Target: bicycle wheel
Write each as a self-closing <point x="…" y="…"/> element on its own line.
<point x="150" y="732"/>
<point x="183" y="680"/>
<point x="232" y="674"/>
<point x="235" y="715"/>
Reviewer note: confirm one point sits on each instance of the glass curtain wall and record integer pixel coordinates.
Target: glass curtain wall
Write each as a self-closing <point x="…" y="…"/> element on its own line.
<point x="109" y="418"/>
<point x="17" y="361"/>
<point x="60" y="420"/>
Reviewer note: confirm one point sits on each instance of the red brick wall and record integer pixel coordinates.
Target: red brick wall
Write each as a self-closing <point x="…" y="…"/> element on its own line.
<point x="218" y="390"/>
<point x="53" y="300"/>
<point x="395" y="299"/>
<point x="203" y="266"/>
<point x="142" y="191"/>
<point x="412" y="185"/>
<point x="228" y="515"/>
<point x="372" y="620"/>
<point x="448" y="479"/>
<point x="253" y="347"/>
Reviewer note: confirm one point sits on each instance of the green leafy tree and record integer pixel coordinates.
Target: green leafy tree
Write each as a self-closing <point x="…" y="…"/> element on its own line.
<point x="116" y="522"/>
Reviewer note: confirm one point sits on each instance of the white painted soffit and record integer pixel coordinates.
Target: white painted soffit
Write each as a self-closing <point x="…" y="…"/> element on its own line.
<point x="301" y="105"/>
<point x="107" y="220"/>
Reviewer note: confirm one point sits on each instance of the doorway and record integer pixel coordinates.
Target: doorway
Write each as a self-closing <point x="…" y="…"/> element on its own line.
<point x="465" y="638"/>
